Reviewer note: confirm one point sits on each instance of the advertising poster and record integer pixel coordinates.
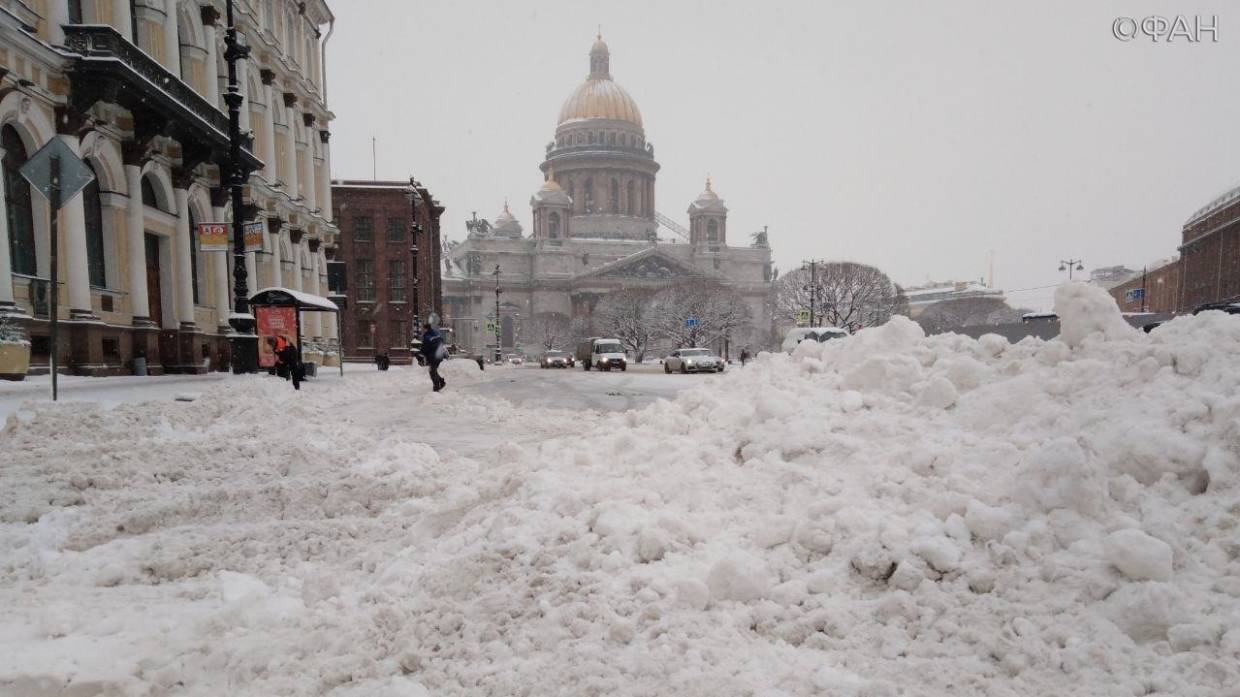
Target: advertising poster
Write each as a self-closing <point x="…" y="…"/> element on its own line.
<point x="212" y="237"/>
<point x="274" y="322"/>
<point x="254" y="236"/>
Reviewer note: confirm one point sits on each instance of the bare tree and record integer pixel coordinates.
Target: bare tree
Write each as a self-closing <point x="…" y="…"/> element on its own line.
<point x="697" y="313"/>
<point x="845" y="294"/>
<point x="549" y="330"/>
<point x="967" y="312"/>
<point x="625" y="315"/>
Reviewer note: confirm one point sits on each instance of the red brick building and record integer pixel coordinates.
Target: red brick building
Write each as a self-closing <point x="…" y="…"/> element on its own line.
<point x="376" y="243"/>
<point x="1210" y="253"/>
<point x="1161" y="281"/>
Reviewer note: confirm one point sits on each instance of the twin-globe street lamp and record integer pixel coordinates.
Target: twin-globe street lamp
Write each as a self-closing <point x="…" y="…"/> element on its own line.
<point x="243" y="344"/>
<point x="1070" y="265"/>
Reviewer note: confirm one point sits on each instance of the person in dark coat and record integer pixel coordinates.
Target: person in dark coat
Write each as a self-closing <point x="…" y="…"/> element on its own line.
<point x="434" y="352"/>
<point x="292" y="363"/>
<point x="744" y="357"/>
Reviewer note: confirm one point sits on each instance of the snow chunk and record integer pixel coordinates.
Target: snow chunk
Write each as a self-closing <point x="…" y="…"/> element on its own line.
<point x="1145" y="611"/>
<point x="739" y="577"/>
<point x="1139" y="556"/>
<point x="1085" y="310"/>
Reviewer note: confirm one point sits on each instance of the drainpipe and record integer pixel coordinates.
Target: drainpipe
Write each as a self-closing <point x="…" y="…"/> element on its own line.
<point x="331" y="27"/>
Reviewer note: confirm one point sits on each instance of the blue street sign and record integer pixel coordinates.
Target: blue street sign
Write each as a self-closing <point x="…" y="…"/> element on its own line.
<point x="691" y="322"/>
<point x="1134" y="294"/>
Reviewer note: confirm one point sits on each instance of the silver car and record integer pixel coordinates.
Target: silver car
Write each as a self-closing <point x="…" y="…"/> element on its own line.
<point x="693" y="360"/>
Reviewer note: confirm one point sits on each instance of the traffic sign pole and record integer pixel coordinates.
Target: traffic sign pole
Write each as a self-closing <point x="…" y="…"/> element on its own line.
<point x="53" y="197"/>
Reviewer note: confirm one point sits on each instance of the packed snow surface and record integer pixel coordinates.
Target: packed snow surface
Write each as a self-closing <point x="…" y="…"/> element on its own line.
<point x="889" y="514"/>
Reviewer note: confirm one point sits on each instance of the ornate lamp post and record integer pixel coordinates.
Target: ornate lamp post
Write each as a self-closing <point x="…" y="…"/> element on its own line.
<point x="243" y="342"/>
<point x="1068" y="265"/>
<point x="414" y="232"/>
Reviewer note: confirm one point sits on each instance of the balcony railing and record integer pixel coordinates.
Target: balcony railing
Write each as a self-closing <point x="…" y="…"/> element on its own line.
<point x="144" y="85"/>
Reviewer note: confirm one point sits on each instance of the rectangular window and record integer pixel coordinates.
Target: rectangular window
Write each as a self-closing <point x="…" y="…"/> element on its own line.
<point x="364" y="279"/>
<point x="363" y="228"/>
<point x="364" y="338"/>
<point x="398" y="339"/>
<point x="396" y="280"/>
<point x="395" y="230"/>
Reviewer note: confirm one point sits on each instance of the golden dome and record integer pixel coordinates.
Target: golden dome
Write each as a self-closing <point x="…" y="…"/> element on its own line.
<point x="600" y="98"/>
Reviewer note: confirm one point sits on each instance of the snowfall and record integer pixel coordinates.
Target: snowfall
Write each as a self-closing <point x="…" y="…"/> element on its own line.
<point x="889" y="514"/>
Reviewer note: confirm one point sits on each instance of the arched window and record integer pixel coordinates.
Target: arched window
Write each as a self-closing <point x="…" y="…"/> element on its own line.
<point x="629" y="197"/>
<point x="588" y="194"/>
<point x="712" y="231"/>
<point x="17" y="203"/>
<point x="615" y="196"/>
<point x="553" y="225"/>
<point x="95" y="265"/>
<point x="148" y="193"/>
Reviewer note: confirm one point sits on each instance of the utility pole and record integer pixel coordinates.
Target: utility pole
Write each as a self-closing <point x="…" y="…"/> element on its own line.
<point x="1145" y="270"/>
<point x="499" y="354"/>
<point x="1070" y="265"/>
<point x="243" y="342"/>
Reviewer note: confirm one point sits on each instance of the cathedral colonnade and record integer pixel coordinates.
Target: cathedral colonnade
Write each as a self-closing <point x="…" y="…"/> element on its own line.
<point x="132" y="280"/>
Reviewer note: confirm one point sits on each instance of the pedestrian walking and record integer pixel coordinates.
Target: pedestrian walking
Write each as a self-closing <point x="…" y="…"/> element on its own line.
<point x="744" y="356"/>
<point x="434" y="351"/>
<point x="292" y="363"/>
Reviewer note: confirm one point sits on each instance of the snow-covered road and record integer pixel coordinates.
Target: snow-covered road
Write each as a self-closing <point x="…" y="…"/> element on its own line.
<point x="890" y="514"/>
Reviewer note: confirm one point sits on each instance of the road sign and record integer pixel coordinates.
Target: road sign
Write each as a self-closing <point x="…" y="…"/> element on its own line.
<point x="803" y="318"/>
<point x="74" y="174"/>
<point x="254" y="236"/>
<point x="691" y="322"/>
<point x="213" y="237"/>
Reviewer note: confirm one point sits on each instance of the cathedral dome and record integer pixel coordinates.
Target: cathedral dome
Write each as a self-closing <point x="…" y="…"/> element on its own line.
<point x="599" y="97"/>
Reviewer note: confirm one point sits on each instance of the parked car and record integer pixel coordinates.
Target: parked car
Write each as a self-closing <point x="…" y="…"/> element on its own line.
<point x="603" y="354"/>
<point x="1231" y="308"/>
<point x="556" y="359"/>
<point x="693" y="360"/>
<point x="820" y="334"/>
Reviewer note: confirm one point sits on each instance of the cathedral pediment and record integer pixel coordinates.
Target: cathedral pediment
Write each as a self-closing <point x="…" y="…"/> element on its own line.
<point x="646" y="265"/>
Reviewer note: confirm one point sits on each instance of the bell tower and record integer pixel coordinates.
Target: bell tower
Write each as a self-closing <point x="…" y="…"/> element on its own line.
<point x="708" y="219"/>
<point x="552" y="212"/>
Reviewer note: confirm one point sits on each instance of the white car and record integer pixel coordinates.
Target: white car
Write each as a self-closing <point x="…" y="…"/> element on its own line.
<point x="693" y="360"/>
<point x="820" y="334"/>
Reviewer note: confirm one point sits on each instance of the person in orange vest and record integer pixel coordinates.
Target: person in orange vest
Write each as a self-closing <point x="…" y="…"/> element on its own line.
<point x="278" y="346"/>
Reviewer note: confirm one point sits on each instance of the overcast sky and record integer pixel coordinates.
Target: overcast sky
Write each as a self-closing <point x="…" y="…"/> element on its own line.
<point x="913" y="136"/>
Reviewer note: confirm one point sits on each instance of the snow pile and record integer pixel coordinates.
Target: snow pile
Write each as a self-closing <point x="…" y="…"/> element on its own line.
<point x="883" y="515"/>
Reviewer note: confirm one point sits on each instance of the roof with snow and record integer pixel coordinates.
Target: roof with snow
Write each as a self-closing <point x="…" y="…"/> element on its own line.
<point x="276" y="295"/>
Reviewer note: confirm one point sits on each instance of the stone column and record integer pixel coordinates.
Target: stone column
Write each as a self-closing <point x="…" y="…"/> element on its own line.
<point x="135" y="236"/>
<point x="316" y="318"/>
<point x="7" y="304"/>
<point x="223" y="293"/>
<point x="290" y="148"/>
<point x="122" y="18"/>
<point x="57" y="15"/>
<point x="209" y="17"/>
<point x="251" y="272"/>
<point x="182" y="260"/>
<point x="73" y="233"/>
<point x="270" y="171"/>
<point x="326" y="173"/>
<point x="243" y="84"/>
<point x="308" y="181"/>
<point x="329" y="320"/>
<point x="172" y="41"/>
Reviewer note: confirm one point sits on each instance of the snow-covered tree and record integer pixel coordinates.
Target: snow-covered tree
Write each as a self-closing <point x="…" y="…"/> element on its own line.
<point x="625" y="315"/>
<point x="714" y="309"/>
<point x="967" y="312"/>
<point x="549" y="330"/>
<point x="845" y="294"/>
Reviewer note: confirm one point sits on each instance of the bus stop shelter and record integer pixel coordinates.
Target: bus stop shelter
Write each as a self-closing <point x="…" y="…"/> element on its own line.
<point x="278" y="310"/>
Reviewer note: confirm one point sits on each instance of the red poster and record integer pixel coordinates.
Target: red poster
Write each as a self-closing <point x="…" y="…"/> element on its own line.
<point x="274" y="322"/>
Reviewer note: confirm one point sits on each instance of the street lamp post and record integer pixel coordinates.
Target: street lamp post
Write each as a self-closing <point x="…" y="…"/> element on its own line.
<point x="1069" y="265"/>
<point x="414" y="229"/>
<point x="812" y="288"/>
<point x="243" y="342"/>
<point x="499" y="354"/>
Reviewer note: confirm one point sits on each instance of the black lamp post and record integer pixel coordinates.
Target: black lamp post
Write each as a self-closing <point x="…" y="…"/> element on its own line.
<point x="499" y="354"/>
<point x="1069" y="264"/>
<point x="414" y="230"/>
<point x="243" y="342"/>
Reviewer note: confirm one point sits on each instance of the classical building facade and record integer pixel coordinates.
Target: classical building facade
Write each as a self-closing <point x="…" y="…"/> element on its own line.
<point x="596" y="230"/>
<point x="381" y="225"/>
<point x="132" y="280"/>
